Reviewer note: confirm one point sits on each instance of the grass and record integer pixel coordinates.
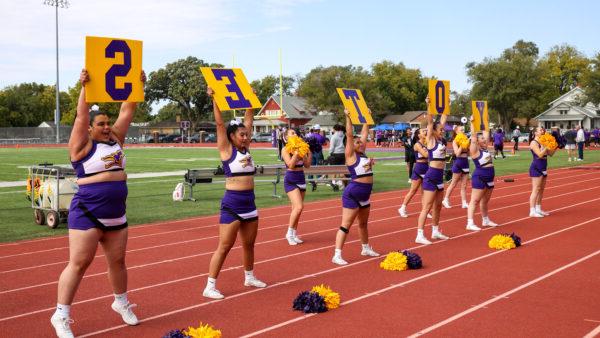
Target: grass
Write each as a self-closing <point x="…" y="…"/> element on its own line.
<point x="150" y="198"/>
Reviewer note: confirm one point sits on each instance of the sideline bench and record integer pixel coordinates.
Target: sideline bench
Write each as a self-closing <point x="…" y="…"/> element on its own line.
<point x="208" y="175"/>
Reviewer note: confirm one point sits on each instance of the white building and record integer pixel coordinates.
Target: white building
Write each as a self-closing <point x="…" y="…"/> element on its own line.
<point x="566" y="111"/>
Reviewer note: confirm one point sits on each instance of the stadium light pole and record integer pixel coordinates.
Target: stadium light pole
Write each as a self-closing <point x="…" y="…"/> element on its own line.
<point x="56" y="4"/>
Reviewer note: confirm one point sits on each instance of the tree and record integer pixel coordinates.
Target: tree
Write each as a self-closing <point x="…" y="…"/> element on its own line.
<point x="168" y="112"/>
<point x="461" y="103"/>
<point x="29" y="104"/>
<point x="319" y="85"/>
<point x="591" y="81"/>
<point x="513" y="84"/>
<point x="182" y="83"/>
<point x="397" y="89"/>
<point x="269" y="85"/>
<point x="565" y="66"/>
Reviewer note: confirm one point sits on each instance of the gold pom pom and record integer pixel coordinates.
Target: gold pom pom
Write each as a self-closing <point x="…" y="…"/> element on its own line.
<point x="296" y="143"/>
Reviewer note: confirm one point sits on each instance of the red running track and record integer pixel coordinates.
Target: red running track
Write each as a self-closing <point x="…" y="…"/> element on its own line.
<point x="519" y="289"/>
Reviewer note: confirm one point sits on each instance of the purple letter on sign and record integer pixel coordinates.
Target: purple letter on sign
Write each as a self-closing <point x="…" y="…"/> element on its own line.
<point x="114" y="47"/>
<point x="233" y="87"/>
<point x="352" y="94"/>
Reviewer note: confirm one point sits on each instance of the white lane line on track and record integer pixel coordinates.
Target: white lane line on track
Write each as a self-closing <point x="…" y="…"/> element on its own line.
<point x="191" y="219"/>
<point x="410" y="281"/>
<point x="504" y="295"/>
<point x="278" y="283"/>
<point x="237" y="247"/>
<point x="265" y="217"/>
<point x="342" y="267"/>
<point x="594" y="333"/>
<point x="216" y="236"/>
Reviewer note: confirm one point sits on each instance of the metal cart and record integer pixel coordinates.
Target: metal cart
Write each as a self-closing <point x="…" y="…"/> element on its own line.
<point x="50" y="189"/>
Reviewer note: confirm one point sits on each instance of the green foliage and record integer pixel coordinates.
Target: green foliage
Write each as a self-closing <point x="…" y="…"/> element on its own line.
<point x="591" y="81"/>
<point x="564" y="66"/>
<point x="269" y="85"/>
<point x="29" y="104"/>
<point x="514" y="84"/>
<point x="388" y="87"/>
<point x="182" y="83"/>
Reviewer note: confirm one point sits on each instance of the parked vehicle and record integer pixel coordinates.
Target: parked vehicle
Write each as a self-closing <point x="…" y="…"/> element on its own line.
<point x="170" y="138"/>
<point x="262" y="137"/>
<point x="160" y="138"/>
<point x="210" y="138"/>
<point x="195" y="138"/>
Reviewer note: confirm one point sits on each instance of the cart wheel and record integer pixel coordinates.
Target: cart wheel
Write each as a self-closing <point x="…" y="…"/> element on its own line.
<point x="52" y="219"/>
<point x="38" y="216"/>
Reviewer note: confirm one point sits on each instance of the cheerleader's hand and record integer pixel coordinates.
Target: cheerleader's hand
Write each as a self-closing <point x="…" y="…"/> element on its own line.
<point x="372" y="161"/>
<point x="295" y="153"/>
<point x="210" y="92"/>
<point x="346" y="112"/>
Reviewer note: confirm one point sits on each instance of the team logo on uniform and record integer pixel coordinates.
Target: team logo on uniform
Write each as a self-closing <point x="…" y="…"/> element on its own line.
<point x="114" y="159"/>
<point x="246" y="161"/>
<point x="368" y="166"/>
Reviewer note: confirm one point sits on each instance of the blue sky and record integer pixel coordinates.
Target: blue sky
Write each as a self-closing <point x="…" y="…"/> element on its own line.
<point x="438" y="37"/>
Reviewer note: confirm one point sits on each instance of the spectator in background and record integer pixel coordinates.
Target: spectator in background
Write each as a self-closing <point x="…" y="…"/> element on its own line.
<point x="580" y="139"/>
<point x="588" y="136"/>
<point x="499" y="143"/>
<point x="570" y="143"/>
<point x="596" y="136"/>
<point x="274" y="138"/>
<point x="279" y="138"/>
<point x="409" y="152"/>
<point x="315" y="142"/>
<point x="515" y="135"/>
<point x="337" y="149"/>
<point x="378" y="138"/>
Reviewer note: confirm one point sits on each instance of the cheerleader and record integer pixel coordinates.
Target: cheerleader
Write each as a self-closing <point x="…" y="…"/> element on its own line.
<point x="355" y="200"/>
<point x="460" y="172"/>
<point x="238" y="211"/>
<point x="294" y="184"/>
<point x="482" y="181"/>
<point x="97" y="212"/>
<point x="538" y="171"/>
<point x="433" y="181"/>
<point x="419" y="170"/>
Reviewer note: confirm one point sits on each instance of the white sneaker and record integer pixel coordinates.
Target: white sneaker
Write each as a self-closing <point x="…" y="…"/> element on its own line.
<point x="422" y="240"/>
<point x="465" y="205"/>
<point x="446" y="203"/>
<point x="298" y="240"/>
<point x="212" y="293"/>
<point x="62" y="326"/>
<point x="473" y="227"/>
<point x="438" y="235"/>
<point x="252" y="281"/>
<point x="402" y="212"/>
<point x="542" y="212"/>
<point x="125" y="311"/>
<point x="338" y="260"/>
<point x="369" y="252"/>
<point x="535" y="214"/>
<point x="429" y="216"/>
<point x="489" y="223"/>
<point x="291" y="240"/>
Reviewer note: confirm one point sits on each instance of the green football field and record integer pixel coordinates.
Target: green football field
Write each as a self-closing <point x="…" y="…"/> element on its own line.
<point x="150" y="199"/>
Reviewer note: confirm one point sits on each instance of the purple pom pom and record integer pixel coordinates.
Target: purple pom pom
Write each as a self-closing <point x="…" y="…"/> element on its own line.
<point x="175" y="334"/>
<point x="309" y="302"/>
<point x="516" y="239"/>
<point x="412" y="260"/>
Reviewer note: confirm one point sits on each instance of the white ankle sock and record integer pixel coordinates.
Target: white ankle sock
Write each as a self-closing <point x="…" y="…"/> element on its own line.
<point x="338" y="253"/>
<point x="290" y="232"/>
<point x="366" y="246"/>
<point x="211" y="282"/>
<point x="538" y="207"/>
<point x="485" y="219"/>
<point x="420" y="232"/>
<point x="63" y="310"/>
<point x="435" y="228"/>
<point x="532" y="210"/>
<point x="122" y="298"/>
<point x="249" y="274"/>
<point x="470" y="221"/>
